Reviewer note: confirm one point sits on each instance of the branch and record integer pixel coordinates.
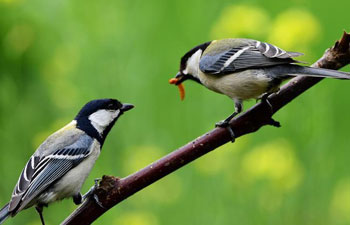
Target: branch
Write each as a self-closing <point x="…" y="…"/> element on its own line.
<point x="112" y="190"/>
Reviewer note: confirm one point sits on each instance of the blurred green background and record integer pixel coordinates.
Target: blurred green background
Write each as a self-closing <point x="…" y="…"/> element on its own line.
<point x="57" y="55"/>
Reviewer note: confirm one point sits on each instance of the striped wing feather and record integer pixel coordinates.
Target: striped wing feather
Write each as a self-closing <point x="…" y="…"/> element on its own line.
<point x="40" y="173"/>
<point x="247" y="54"/>
<point x="23" y="182"/>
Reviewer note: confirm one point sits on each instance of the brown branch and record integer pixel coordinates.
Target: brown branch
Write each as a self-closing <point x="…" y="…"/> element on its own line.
<point x="113" y="190"/>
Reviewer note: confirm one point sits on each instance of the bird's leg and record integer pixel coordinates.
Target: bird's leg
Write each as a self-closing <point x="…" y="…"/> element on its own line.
<point x="92" y="192"/>
<point x="226" y="122"/>
<point x="39" y="209"/>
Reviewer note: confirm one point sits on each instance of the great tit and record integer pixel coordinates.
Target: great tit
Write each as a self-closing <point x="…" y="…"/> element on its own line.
<point x="61" y="164"/>
<point x="243" y="69"/>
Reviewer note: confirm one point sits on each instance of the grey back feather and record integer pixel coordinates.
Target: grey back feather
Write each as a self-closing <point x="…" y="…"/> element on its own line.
<point x="47" y="165"/>
<point x="231" y="55"/>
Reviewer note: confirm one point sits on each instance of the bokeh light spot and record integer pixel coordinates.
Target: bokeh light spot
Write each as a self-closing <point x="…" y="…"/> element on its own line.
<point x="221" y="159"/>
<point x="340" y="204"/>
<point x="136" y="218"/>
<point x="275" y="162"/>
<point x="241" y="21"/>
<point x="18" y="39"/>
<point x="165" y="191"/>
<point x="295" y="29"/>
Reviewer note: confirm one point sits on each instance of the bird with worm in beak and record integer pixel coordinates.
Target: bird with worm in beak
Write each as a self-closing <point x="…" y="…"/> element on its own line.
<point x="243" y="69"/>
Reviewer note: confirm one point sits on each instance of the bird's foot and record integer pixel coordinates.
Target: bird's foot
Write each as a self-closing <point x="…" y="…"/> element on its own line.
<point x="226" y="124"/>
<point x="265" y="100"/>
<point x="91" y="192"/>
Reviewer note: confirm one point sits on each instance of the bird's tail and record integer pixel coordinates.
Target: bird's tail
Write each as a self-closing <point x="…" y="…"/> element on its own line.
<point x="4" y="213"/>
<point x="296" y="70"/>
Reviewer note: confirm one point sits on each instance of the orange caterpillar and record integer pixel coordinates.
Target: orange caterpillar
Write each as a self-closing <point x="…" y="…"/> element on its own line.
<point x="180" y="86"/>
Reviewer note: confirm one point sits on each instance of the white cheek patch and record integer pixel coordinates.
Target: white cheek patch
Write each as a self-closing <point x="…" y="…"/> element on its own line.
<point x="193" y="64"/>
<point x="102" y="118"/>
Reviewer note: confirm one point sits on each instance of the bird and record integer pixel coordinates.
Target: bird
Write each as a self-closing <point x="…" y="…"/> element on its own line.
<point x="61" y="164"/>
<point x="243" y="69"/>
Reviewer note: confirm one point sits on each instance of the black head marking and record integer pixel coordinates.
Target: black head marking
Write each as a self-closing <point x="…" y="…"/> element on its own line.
<point x="95" y="105"/>
<point x="184" y="58"/>
<point x="91" y="107"/>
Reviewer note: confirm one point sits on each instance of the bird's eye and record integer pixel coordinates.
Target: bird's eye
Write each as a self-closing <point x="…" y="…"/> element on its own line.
<point x="110" y="106"/>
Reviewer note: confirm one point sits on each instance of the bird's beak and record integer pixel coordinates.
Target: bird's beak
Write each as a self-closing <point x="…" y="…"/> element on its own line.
<point x="126" y="107"/>
<point x="180" y="78"/>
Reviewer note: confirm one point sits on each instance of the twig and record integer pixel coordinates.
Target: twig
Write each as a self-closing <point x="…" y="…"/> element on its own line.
<point x="113" y="190"/>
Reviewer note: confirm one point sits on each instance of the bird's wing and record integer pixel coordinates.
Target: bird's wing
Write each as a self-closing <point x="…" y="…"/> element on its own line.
<point x="241" y="54"/>
<point x="40" y="172"/>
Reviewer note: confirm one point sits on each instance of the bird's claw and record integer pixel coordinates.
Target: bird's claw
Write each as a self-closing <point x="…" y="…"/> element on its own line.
<point x="226" y="124"/>
<point x="265" y="100"/>
<point x="269" y="104"/>
<point x="92" y="192"/>
<point x="98" y="202"/>
<point x="96" y="182"/>
<point x="223" y="123"/>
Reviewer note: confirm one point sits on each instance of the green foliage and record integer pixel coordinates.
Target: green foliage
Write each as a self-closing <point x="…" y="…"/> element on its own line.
<point x="57" y="55"/>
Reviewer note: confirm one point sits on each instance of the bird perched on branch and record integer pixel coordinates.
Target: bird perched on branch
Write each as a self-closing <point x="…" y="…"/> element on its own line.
<point x="243" y="69"/>
<point x="61" y="164"/>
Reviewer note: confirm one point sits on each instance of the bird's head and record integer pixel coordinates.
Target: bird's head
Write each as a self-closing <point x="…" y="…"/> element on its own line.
<point x="189" y="64"/>
<point x="97" y="117"/>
